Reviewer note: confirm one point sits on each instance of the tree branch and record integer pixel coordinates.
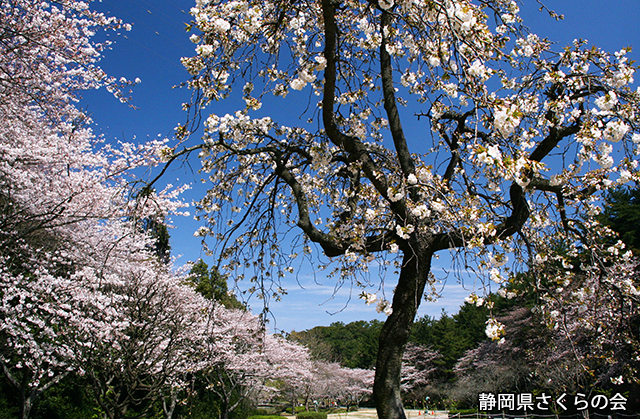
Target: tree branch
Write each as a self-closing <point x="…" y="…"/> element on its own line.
<point x="390" y="106"/>
<point x="350" y="144"/>
<point x="328" y="243"/>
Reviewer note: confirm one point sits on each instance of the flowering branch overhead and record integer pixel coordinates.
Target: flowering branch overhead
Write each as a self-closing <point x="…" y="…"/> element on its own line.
<point x="518" y="143"/>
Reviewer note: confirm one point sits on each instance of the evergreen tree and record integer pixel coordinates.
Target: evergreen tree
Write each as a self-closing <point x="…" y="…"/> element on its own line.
<point x="160" y="234"/>
<point x="213" y="286"/>
<point x="353" y="345"/>
<point x="622" y="214"/>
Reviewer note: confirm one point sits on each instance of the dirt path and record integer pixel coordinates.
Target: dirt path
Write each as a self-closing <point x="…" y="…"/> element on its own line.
<point x="364" y="413"/>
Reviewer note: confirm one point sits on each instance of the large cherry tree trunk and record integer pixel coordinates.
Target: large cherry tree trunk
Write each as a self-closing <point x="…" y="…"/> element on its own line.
<point x="395" y="333"/>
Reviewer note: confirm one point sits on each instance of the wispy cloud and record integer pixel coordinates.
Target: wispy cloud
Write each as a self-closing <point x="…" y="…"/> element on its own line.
<point x="317" y="305"/>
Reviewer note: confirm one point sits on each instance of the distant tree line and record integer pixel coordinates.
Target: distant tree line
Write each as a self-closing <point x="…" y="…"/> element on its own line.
<point x="355" y="345"/>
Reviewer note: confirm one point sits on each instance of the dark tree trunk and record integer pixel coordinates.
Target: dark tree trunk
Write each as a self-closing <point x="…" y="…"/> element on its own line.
<point x="170" y="406"/>
<point x="224" y="410"/>
<point x="395" y="333"/>
<point x="25" y="408"/>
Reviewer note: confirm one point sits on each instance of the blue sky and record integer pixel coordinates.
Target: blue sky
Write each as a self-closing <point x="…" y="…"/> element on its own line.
<point x="152" y="50"/>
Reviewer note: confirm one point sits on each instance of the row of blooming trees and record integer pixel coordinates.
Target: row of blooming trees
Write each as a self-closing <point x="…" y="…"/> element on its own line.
<point x="68" y="233"/>
<point x="83" y="290"/>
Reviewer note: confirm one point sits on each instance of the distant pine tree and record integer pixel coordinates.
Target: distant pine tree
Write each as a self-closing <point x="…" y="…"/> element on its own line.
<point x="160" y="233"/>
<point x="622" y="214"/>
<point x="212" y="285"/>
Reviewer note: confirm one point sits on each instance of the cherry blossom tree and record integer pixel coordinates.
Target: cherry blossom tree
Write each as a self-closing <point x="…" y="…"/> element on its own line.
<point x="95" y="313"/>
<point x="354" y="384"/>
<point x="230" y="357"/>
<point x="322" y="388"/>
<point x="292" y="370"/>
<point x="54" y="171"/>
<point x="433" y="126"/>
<point x="49" y="55"/>
<point x="595" y="319"/>
<point x="515" y="362"/>
<point x="40" y="321"/>
<point x="418" y="366"/>
<point x="580" y="338"/>
<point x="147" y="350"/>
<point x="68" y="228"/>
<point x="332" y="382"/>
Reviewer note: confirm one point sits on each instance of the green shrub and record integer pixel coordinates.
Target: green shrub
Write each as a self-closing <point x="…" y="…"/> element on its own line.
<point x="298" y="409"/>
<point x="312" y="415"/>
<point x="335" y="410"/>
<point x="265" y="417"/>
<point x="265" y="411"/>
